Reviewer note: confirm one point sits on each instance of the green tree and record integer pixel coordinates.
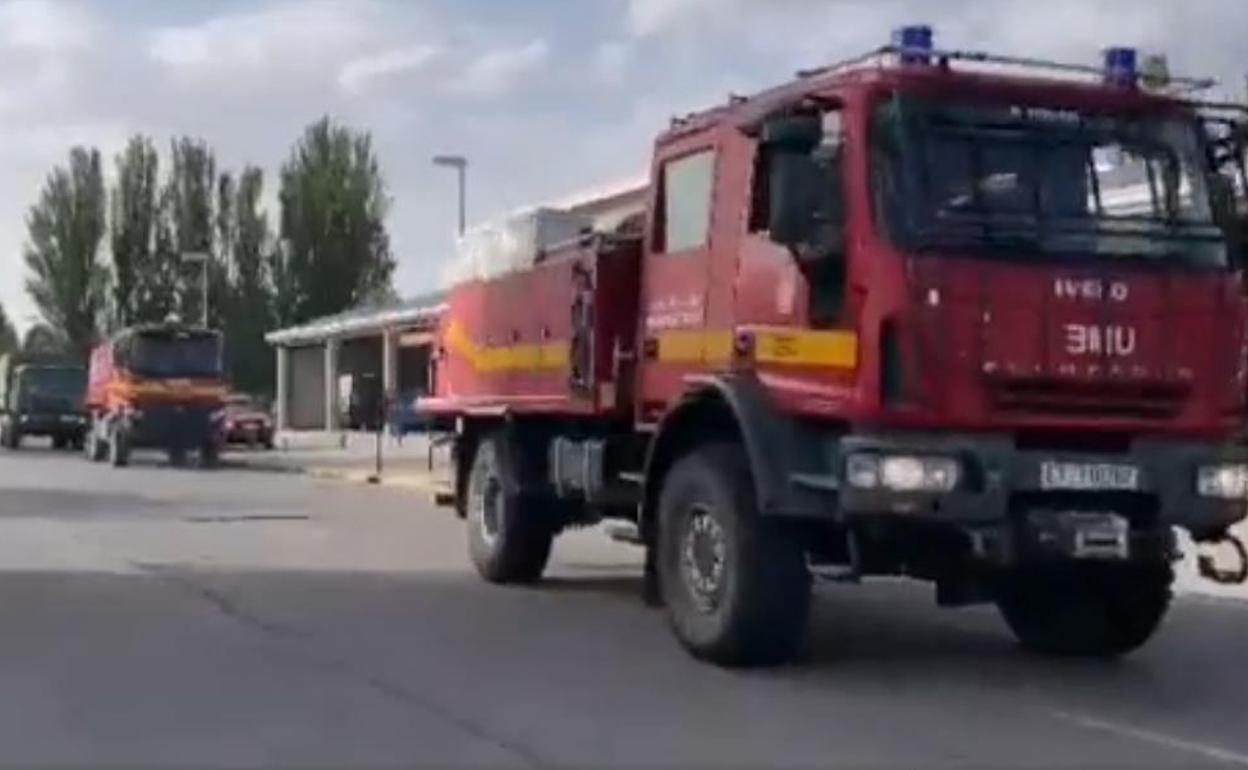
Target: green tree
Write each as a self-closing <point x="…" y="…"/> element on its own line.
<point x="335" y="250"/>
<point x="190" y="226"/>
<point x="65" y="226"/>
<point x="8" y="335"/>
<point x="42" y="340"/>
<point x="245" y="230"/>
<point x="140" y="289"/>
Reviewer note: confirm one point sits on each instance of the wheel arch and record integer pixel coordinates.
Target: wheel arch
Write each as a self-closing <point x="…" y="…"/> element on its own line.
<point x="722" y="408"/>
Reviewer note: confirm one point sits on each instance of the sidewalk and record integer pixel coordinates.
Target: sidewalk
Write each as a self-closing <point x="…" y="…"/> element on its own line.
<point x="351" y="456"/>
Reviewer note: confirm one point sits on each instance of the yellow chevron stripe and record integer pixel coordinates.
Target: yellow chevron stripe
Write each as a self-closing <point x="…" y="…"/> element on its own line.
<point x="506" y="358"/>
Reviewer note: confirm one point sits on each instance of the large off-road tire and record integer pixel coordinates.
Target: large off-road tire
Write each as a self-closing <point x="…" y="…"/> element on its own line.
<point x="736" y="586"/>
<point x="1087" y="610"/>
<point x="10" y="436"/>
<point x="93" y="447"/>
<point x="509" y="539"/>
<point x="209" y="455"/>
<point x="119" y="447"/>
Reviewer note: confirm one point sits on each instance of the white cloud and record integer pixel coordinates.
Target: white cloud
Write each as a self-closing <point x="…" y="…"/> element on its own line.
<point x="652" y="17"/>
<point x="357" y="73"/>
<point x="500" y="69"/>
<point x="292" y="34"/>
<point x="611" y="61"/>
<point x="44" y="25"/>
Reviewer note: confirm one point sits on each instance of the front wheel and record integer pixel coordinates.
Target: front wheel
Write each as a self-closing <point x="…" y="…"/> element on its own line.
<point x="10" y="436"/>
<point x="736" y="586"/>
<point x="1087" y="610"/>
<point x="209" y="455"/>
<point x="508" y="539"/>
<point x="95" y="449"/>
<point x="119" y="447"/>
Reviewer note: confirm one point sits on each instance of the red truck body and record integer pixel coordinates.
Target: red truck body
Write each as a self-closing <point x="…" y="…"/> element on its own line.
<point x="988" y="341"/>
<point x="999" y="400"/>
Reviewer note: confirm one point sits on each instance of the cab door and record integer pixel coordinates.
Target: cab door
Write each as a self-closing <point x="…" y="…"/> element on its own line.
<point x="676" y="272"/>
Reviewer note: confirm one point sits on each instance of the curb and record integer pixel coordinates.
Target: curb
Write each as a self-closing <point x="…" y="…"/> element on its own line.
<point x="420" y="482"/>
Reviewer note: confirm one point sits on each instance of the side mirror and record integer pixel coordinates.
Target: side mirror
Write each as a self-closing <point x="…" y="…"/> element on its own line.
<point x="800" y="132"/>
<point x="804" y="199"/>
<point x="795" y="195"/>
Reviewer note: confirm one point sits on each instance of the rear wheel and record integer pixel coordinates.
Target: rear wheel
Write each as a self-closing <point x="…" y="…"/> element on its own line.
<point x="119" y="447"/>
<point x="736" y="586"/>
<point x="209" y="455"/>
<point x="509" y="541"/>
<point x="1092" y="610"/>
<point x="10" y="436"/>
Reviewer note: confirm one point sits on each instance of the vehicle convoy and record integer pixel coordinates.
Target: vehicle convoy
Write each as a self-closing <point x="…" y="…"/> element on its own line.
<point x="969" y="319"/>
<point x="41" y="396"/>
<point x="157" y="386"/>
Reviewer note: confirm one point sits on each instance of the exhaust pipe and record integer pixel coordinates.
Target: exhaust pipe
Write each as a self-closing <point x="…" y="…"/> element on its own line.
<point x="1209" y="569"/>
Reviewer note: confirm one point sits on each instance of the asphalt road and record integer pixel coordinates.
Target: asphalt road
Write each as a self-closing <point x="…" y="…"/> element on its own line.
<point x="168" y="618"/>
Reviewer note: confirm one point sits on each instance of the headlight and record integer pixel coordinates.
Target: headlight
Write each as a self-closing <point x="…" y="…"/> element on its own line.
<point x="1225" y="481"/>
<point x="902" y="473"/>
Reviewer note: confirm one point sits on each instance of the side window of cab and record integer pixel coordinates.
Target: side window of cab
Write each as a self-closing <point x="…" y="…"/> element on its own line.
<point x="687" y="190"/>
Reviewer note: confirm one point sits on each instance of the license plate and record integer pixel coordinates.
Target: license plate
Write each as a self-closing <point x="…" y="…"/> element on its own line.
<point x="1089" y="476"/>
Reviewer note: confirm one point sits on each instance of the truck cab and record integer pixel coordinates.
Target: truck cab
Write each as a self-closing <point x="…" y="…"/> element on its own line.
<point x="157" y="386"/>
<point x="42" y="398"/>
<point x="969" y="319"/>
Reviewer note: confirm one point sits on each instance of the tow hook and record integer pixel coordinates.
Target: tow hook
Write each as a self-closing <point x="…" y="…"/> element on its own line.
<point x="1210" y="570"/>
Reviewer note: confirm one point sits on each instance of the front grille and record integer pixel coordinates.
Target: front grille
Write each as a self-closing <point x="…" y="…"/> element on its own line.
<point x="1089" y="398"/>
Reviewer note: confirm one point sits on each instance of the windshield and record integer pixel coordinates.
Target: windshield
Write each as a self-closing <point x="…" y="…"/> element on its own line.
<point x="168" y="355"/>
<point x="64" y="381"/>
<point x="1040" y="181"/>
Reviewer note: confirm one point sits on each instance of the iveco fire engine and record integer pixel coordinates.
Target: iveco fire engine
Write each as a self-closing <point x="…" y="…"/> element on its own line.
<point x="971" y="319"/>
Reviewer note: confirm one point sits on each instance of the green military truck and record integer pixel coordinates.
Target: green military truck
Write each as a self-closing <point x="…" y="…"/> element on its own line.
<point x="42" y="397"/>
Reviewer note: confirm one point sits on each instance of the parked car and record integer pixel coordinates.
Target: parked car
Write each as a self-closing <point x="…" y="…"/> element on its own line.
<point x="247" y="421"/>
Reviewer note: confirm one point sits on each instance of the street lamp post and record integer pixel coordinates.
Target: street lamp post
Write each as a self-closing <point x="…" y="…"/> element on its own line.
<point x="202" y="258"/>
<point x="460" y="164"/>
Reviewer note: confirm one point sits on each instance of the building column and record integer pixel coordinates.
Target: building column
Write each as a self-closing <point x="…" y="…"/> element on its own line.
<point x="283" y="388"/>
<point x="389" y="363"/>
<point x="331" y="384"/>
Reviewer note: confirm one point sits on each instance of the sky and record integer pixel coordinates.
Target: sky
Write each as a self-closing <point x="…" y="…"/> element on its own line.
<point x="545" y="97"/>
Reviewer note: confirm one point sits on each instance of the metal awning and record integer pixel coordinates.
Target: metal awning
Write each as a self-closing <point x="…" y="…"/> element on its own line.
<point x="421" y="311"/>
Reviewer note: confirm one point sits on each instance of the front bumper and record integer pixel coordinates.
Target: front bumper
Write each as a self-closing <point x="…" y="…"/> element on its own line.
<point x="50" y="424"/>
<point x="1002" y="484"/>
<point x="175" y="426"/>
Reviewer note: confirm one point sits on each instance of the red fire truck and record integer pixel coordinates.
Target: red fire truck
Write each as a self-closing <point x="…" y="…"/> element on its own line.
<point x="969" y="319"/>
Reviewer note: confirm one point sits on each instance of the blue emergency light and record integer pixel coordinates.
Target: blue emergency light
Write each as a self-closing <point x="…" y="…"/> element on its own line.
<point x="1121" y="66"/>
<point x="914" y="42"/>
